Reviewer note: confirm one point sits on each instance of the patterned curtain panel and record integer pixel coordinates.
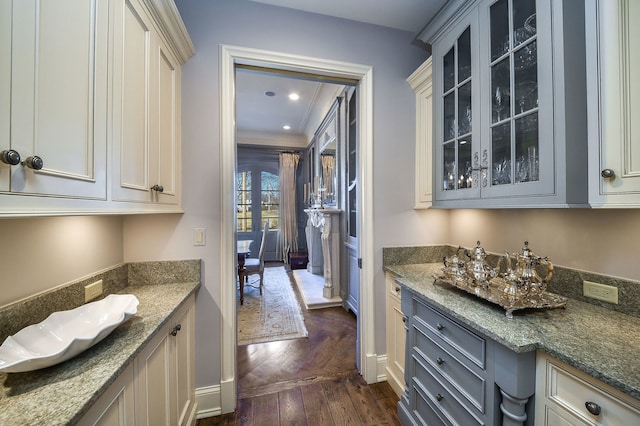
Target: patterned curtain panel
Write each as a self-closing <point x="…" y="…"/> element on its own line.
<point x="288" y="236"/>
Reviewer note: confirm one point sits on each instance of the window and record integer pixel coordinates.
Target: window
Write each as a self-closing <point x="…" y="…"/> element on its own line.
<point x="258" y="199"/>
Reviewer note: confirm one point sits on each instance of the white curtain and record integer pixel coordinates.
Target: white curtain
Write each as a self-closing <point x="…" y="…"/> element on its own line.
<point x="288" y="236"/>
<point x="328" y="172"/>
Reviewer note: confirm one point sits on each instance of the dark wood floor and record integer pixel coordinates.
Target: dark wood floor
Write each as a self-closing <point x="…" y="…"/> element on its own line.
<point x="310" y="381"/>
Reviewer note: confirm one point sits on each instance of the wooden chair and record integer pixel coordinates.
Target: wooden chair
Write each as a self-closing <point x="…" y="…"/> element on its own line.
<point x="256" y="265"/>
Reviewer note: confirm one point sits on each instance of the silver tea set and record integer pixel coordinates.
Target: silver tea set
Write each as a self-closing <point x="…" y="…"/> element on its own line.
<point x="516" y="286"/>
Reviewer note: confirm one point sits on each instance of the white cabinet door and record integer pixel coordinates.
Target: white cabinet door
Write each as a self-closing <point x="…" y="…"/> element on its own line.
<point x="614" y="102"/>
<point x="183" y="391"/>
<point x="165" y="390"/>
<point x="146" y="149"/>
<point x="131" y="103"/>
<point x="5" y="89"/>
<point x="59" y="96"/>
<point x="421" y="82"/>
<point x="165" y="158"/>
<point x="396" y="337"/>
<point x="116" y="406"/>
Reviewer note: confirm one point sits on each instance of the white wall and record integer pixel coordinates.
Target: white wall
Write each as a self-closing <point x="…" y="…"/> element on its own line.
<point x="38" y="254"/>
<point x="255" y="25"/>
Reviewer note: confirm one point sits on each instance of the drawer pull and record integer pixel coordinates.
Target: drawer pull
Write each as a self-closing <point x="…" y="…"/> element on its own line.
<point x="440" y="361"/>
<point x="439" y="397"/>
<point x="175" y="330"/>
<point x="593" y="408"/>
<point x="440" y="327"/>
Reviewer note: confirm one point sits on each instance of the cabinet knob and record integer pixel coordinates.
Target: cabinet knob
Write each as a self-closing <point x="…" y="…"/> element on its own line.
<point x="404" y="318"/>
<point x="10" y="156"/>
<point x="175" y="330"/>
<point x="158" y="188"/>
<point x="34" y="162"/>
<point x="607" y="173"/>
<point x="593" y="408"/>
<point x="440" y="361"/>
<point x="439" y="397"/>
<point x="397" y="289"/>
<point x="440" y="327"/>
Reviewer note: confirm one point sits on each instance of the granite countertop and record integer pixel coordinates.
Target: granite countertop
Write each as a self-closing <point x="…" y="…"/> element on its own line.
<point x="61" y="394"/>
<point x="601" y="342"/>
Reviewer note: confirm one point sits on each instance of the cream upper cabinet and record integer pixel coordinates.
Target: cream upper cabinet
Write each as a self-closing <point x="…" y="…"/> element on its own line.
<point x="90" y="106"/>
<point x="509" y="104"/>
<point x="613" y="102"/>
<point x="146" y="140"/>
<point x="421" y="82"/>
<point x="54" y="97"/>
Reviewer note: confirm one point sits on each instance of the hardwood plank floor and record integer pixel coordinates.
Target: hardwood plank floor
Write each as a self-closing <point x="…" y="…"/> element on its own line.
<point x="309" y="381"/>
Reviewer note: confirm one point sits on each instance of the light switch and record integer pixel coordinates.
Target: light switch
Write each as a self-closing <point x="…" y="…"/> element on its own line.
<point x="199" y="237"/>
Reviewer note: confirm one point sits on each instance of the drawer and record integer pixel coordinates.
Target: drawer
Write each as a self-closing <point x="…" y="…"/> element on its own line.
<point x="469" y="344"/>
<point x="431" y="391"/>
<point x="393" y="287"/>
<point x="471" y="385"/>
<point x="570" y="389"/>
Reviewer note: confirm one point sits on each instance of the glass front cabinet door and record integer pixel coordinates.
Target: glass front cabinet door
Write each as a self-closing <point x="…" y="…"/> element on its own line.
<point x="510" y="112"/>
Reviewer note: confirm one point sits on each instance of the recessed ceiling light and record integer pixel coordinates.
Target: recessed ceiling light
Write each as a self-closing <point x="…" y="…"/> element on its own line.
<point x="286" y="127"/>
<point x="294" y="96"/>
<point x="270" y="93"/>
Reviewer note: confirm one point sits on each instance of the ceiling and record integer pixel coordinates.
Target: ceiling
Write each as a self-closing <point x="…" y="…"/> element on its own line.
<point x="257" y="113"/>
<point x="407" y="15"/>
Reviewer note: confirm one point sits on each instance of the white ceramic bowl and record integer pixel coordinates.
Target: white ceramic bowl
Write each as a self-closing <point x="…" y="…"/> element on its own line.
<point x="65" y="334"/>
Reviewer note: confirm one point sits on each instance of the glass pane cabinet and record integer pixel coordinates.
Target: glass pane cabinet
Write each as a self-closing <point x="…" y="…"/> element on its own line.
<point x="510" y="113"/>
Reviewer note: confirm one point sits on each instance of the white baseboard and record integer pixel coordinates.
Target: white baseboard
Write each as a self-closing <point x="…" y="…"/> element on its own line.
<point x="208" y="400"/>
<point x="381" y="365"/>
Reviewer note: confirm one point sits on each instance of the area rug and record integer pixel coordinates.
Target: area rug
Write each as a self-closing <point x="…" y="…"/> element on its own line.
<point x="276" y="315"/>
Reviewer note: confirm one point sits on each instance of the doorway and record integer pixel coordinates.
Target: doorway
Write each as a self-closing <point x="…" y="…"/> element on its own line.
<point x="229" y="58"/>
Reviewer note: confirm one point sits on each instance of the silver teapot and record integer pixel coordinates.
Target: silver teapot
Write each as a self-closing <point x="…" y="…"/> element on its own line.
<point x="478" y="269"/>
<point x="454" y="268"/>
<point x="524" y="279"/>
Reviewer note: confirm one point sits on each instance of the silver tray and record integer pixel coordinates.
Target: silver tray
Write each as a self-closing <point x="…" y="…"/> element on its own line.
<point x="495" y="293"/>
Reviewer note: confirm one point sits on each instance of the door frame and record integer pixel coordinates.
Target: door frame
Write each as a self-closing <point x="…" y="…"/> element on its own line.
<point x="229" y="57"/>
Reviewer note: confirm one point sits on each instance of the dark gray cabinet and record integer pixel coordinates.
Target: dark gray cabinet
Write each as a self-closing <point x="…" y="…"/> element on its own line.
<point x="457" y="376"/>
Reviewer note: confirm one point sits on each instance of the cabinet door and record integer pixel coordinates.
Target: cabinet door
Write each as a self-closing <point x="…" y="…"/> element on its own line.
<point x="131" y="99"/>
<point x="183" y="396"/>
<point x="5" y="88"/>
<point x="164" y="158"/>
<point x="421" y="82"/>
<point x="59" y="96"/>
<point x="116" y="406"/>
<point x="457" y="161"/>
<point x="154" y="382"/>
<point x="614" y="102"/>
<point x="165" y="386"/>
<point x="519" y="149"/>
<point x="146" y="112"/>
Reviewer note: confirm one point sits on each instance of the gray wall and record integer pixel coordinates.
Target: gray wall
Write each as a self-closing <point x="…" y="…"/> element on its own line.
<point x="255" y="25"/>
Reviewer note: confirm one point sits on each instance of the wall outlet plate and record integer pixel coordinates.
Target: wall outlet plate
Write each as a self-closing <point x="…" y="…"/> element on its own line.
<point x="599" y="291"/>
<point x="93" y="290"/>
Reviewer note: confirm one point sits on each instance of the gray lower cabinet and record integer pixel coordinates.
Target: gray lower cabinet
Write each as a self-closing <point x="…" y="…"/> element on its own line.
<point x="456" y="376"/>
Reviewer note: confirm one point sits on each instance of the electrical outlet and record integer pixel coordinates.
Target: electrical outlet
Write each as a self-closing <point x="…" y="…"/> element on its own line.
<point x="598" y="291"/>
<point x="92" y="291"/>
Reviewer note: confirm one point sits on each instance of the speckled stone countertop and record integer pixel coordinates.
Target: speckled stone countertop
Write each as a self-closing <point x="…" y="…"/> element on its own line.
<point x="61" y="394"/>
<point x="601" y="342"/>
